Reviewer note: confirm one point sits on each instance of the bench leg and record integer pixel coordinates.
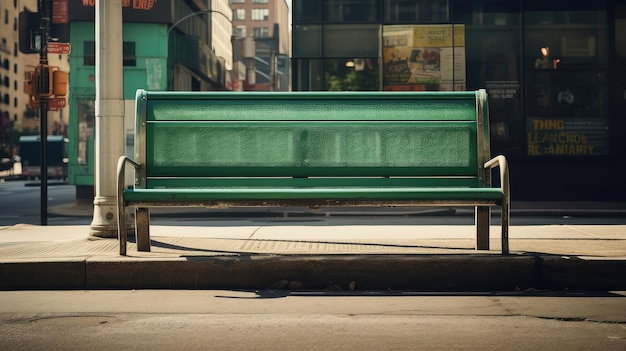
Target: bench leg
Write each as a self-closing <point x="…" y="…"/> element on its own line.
<point x="506" y="219"/>
<point x="483" y="220"/>
<point x="142" y="224"/>
<point x="121" y="228"/>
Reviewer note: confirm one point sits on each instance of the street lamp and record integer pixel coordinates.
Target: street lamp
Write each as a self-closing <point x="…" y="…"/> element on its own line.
<point x="194" y="14"/>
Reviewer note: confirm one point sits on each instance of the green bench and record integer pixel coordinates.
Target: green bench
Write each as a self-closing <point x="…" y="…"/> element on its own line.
<point x="217" y="149"/>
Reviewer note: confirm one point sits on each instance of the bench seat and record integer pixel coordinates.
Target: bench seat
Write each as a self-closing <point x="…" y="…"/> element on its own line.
<point x="331" y="194"/>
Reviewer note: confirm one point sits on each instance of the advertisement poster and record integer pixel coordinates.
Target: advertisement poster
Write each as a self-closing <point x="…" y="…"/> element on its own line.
<point x="567" y="137"/>
<point x="424" y="57"/>
<point x="567" y="113"/>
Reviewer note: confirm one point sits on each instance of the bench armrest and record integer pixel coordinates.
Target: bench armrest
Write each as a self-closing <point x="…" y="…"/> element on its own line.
<point x="500" y="161"/>
<point x="121" y="212"/>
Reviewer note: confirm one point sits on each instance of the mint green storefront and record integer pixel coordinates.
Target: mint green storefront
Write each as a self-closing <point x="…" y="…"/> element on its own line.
<point x="145" y="67"/>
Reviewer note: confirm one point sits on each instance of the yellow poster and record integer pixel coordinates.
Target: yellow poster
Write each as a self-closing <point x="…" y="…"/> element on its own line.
<point x="424" y="57"/>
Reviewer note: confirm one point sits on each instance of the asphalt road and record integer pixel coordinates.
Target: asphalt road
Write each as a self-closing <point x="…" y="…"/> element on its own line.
<point x="279" y="320"/>
<point x="20" y="202"/>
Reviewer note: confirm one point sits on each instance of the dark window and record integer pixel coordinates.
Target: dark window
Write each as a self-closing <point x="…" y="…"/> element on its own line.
<point x="129" y="53"/>
<point x="345" y="11"/>
<point x="261" y="32"/>
<point x="357" y="40"/>
<point x="89" y="47"/>
<point x="307" y="11"/>
<point x="416" y="11"/>
<point x="307" y="41"/>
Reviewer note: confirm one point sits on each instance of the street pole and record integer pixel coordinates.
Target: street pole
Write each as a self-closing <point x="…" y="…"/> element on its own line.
<point x="44" y="83"/>
<point x="109" y="143"/>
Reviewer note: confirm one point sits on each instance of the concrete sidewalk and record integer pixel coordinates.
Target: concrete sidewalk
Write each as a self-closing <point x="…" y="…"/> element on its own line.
<point x="314" y="255"/>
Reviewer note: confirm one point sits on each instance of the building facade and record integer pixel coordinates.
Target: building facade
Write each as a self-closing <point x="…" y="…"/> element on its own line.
<point x="555" y="72"/>
<point x="167" y="45"/>
<point x="267" y="21"/>
<point x="16" y="117"/>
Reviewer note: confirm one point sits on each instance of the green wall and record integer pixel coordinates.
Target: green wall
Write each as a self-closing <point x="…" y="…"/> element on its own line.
<point x="149" y="72"/>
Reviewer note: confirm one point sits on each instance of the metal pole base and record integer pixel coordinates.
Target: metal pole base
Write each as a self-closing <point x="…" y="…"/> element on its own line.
<point x="104" y="223"/>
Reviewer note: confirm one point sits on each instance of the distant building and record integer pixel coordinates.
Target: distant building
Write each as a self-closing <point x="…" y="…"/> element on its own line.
<point x="267" y="21"/>
<point x="16" y="118"/>
<point x="167" y="45"/>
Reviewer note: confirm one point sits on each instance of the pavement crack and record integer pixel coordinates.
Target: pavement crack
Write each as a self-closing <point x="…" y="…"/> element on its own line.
<point x="254" y="232"/>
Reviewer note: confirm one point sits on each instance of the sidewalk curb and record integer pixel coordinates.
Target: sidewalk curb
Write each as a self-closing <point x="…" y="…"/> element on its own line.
<point x="319" y="272"/>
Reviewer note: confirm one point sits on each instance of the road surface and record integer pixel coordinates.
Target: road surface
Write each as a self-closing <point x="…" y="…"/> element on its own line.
<point x="310" y="320"/>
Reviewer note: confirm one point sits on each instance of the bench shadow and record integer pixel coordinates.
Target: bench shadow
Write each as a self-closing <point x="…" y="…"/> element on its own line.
<point x="279" y="293"/>
<point x="168" y="246"/>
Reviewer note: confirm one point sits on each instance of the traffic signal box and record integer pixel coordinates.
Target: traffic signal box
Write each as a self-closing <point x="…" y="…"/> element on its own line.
<point x="45" y="81"/>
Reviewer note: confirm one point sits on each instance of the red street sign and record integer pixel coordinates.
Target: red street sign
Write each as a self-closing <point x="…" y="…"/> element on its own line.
<point x="59" y="48"/>
<point x="56" y="103"/>
<point x="59" y="11"/>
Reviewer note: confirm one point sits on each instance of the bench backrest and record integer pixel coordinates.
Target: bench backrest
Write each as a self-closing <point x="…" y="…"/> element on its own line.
<point x="199" y="135"/>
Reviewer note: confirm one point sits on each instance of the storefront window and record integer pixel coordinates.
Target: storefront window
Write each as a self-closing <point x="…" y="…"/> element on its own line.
<point x="86" y="121"/>
<point x="566" y="85"/>
<point x="620" y="33"/>
<point x="358" y="40"/>
<point x="353" y="74"/>
<point x="424" y="57"/>
<point x="307" y="41"/>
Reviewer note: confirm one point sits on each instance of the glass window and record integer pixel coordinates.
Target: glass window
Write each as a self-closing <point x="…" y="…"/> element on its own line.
<point x="239" y="31"/>
<point x="129" y="53"/>
<point x="341" y="11"/>
<point x="486" y="12"/>
<point x="89" y="52"/>
<point x="260" y="14"/>
<point x="566" y="113"/>
<point x="261" y="32"/>
<point x="416" y="11"/>
<point x="358" y="40"/>
<point x="307" y="41"/>
<point x="239" y="14"/>
<point x="259" y="1"/>
<point x="86" y="122"/>
<point x="565" y="39"/>
<point x="355" y="74"/>
<point x="307" y="11"/>
<point x="237" y="1"/>
<point x="620" y="33"/>
<point x="566" y="94"/>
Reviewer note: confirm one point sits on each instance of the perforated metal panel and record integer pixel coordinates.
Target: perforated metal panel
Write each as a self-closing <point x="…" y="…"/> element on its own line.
<point x="320" y="134"/>
<point x="311" y="148"/>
